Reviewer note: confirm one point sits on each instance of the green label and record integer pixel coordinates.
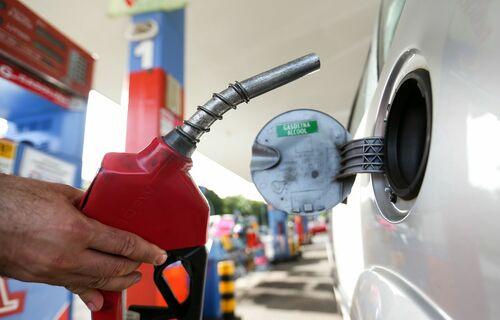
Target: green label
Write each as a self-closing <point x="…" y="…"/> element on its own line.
<point x="297" y="128"/>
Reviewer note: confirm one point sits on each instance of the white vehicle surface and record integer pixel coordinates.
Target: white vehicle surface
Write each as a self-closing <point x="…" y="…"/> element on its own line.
<point x="422" y="241"/>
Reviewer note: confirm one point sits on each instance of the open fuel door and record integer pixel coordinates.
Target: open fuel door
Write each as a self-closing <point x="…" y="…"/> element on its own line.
<point x="304" y="161"/>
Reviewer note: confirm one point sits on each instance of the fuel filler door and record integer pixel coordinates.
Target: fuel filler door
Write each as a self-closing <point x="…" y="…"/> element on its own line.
<point x="304" y="161"/>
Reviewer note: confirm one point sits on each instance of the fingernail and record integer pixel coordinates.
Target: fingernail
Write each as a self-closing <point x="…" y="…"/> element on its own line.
<point x="160" y="260"/>
<point x="91" y="306"/>
<point x="137" y="278"/>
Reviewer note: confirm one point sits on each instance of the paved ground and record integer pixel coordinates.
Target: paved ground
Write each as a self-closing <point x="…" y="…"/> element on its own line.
<point x="294" y="290"/>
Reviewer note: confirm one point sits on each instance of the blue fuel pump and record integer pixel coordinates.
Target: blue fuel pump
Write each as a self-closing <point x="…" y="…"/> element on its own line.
<point x="278" y="230"/>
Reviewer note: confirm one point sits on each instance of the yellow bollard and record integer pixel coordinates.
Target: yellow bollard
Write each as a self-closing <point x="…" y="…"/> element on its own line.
<point x="227" y="243"/>
<point x="291" y="247"/>
<point x="225" y="270"/>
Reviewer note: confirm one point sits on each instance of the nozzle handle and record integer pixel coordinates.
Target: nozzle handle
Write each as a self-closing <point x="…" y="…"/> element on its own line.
<point x="184" y="138"/>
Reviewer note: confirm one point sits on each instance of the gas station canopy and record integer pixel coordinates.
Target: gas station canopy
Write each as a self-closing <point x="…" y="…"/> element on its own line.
<point x="338" y="31"/>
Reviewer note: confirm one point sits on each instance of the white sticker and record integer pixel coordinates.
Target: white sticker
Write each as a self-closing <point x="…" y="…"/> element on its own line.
<point x="174" y="102"/>
<point x="39" y="165"/>
<point x="167" y="122"/>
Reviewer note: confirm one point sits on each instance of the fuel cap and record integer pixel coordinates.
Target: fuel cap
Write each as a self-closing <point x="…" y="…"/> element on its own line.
<point x="296" y="158"/>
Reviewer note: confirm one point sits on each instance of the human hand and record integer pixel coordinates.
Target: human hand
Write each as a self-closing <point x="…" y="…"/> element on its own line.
<point x="44" y="238"/>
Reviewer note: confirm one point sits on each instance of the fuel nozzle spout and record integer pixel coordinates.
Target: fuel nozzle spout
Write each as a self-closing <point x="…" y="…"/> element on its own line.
<point x="185" y="137"/>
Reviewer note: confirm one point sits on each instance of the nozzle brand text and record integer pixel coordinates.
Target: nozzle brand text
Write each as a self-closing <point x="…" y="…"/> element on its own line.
<point x="297" y="128"/>
<point x="138" y="203"/>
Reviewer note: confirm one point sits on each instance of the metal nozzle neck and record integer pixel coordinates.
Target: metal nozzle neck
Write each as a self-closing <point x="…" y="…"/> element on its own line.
<point x="184" y="138"/>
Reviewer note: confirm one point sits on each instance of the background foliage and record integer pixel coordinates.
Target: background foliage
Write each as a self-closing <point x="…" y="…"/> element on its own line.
<point x="233" y="204"/>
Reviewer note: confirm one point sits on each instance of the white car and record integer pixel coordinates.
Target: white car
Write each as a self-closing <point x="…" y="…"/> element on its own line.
<point x="422" y="241"/>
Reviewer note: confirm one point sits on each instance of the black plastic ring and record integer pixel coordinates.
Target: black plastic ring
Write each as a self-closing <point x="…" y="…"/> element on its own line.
<point x="226" y="102"/>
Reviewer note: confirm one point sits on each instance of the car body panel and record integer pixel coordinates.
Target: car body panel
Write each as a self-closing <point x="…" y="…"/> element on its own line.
<point x="447" y="247"/>
<point x="382" y="295"/>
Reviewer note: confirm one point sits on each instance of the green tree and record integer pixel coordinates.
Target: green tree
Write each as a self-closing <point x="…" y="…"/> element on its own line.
<point x="216" y="203"/>
<point x="230" y="205"/>
<point x="243" y="205"/>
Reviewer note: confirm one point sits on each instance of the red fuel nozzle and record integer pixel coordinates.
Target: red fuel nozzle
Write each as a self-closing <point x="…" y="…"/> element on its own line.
<point x="152" y="195"/>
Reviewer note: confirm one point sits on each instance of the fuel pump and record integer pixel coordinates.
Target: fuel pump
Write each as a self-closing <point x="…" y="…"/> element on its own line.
<point x="152" y="195"/>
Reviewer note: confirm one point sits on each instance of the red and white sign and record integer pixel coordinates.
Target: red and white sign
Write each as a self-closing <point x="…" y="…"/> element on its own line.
<point x="26" y="81"/>
<point x="35" y="45"/>
<point x="10" y="303"/>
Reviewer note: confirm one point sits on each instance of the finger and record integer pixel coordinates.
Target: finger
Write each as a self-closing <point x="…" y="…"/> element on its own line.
<point x="115" y="283"/>
<point x="100" y="283"/>
<point x="97" y="264"/>
<point x="92" y="298"/>
<point x="107" y="284"/>
<point x="125" y="244"/>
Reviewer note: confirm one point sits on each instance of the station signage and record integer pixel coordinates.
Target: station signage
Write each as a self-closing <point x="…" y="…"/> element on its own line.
<point x="130" y="7"/>
<point x="11" y="303"/>
<point x="35" y="46"/>
<point x="26" y="81"/>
